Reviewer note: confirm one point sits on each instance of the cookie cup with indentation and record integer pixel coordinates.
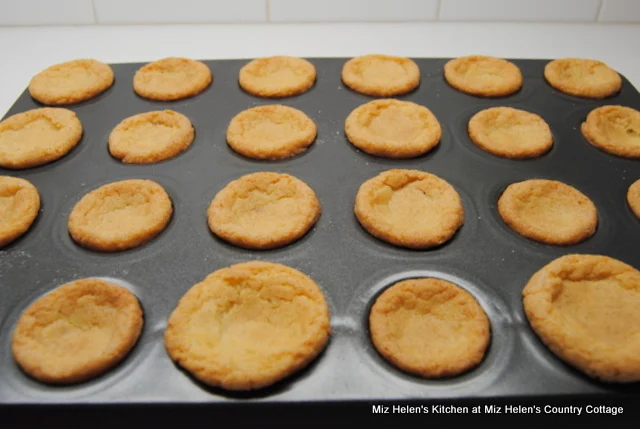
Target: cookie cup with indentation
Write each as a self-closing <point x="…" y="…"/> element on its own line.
<point x="19" y="207"/>
<point x="71" y="82"/>
<point x="510" y="133"/>
<point x="429" y="327"/>
<point x="381" y="75"/>
<point x="614" y="129"/>
<point x="77" y="332"/>
<point x="393" y="129"/>
<point x="409" y="208"/>
<point x="151" y="137"/>
<point x="582" y="77"/>
<point x="171" y="79"/>
<point x="271" y="132"/>
<point x="263" y="210"/>
<point x="483" y="76"/>
<point x="276" y="77"/>
<point x="584" y="308"/>
<point x="248" y="326"/>
<point x="120" y="215"/>
<point x="548" y="211"/>
<point x="38" y="136"/>
<point x="633" y="198"/>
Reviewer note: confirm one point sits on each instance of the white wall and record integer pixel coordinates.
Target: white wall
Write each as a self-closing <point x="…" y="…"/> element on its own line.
<point x="89" y="12"/>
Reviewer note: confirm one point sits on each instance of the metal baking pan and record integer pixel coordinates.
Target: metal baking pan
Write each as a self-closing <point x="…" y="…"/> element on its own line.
<point x="351" y="267"/>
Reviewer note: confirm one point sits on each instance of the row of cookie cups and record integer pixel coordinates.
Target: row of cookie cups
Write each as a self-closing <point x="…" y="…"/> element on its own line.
<point x="476" y="217"/>
<point x="488" y="372"/>
<point x="461" y="73"/>
<point x="501" y="344"/>
<point x="361" y="138"/>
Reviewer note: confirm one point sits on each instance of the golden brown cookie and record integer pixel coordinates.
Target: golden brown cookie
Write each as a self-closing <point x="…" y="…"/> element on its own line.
<point x="276" y="77"/>
<point x="172" y="79"/>
<point x="582" y="77"/>
<point x="77" y="332"/>
<point x="393" y="129"/>
<point x="614" y="129"/>
<point x="548" y="211"/>
<point x="248" y="326"/>
<point x="483" y="76"/>
<point x="38" y="136"/>
<point x="263" y="211"/>
<point x="585" y="309"/>
<point x="429" y="327"/>
<point x="120" y="215"/>
<point x="633" y="197"/>
<point x="71" y="82"/>
<point x="19" y="207"/>
<point x="381" y="75"/>
<point x="409" y="208"/>
<point x="151" y="137"/>
<point x="510" y="133"/>
<point x="271" y="132"/>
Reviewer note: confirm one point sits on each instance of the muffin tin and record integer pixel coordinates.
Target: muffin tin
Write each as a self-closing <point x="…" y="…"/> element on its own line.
<point x="351" y="267"/>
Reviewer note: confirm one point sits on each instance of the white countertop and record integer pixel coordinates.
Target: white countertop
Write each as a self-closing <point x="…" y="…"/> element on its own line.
<point x="27" y="50"/>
